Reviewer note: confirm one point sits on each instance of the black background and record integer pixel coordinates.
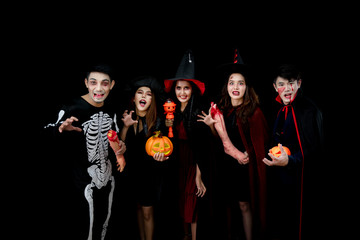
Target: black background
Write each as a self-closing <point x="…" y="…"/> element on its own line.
<point x="49" y="50"/>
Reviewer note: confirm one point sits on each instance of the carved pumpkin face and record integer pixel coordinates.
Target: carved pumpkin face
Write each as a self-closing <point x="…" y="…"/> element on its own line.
<point x="277" y="152"/>
<point x="158" y="143"/>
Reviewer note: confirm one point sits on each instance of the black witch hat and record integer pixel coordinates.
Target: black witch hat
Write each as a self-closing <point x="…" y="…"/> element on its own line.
<point x="185" y="71"/>
<point x="236" y="66"/>
<point x="144" y="81"/>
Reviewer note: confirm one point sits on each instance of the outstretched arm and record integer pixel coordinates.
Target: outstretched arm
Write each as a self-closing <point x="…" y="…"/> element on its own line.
<point x="208" y="120"/>
<point x="229" y="148"/>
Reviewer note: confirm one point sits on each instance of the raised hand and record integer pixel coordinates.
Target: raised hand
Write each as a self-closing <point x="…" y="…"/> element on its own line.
<point x="67" y="125"/>
<point x="127" y="119"/>
<point x="206" y="118"/>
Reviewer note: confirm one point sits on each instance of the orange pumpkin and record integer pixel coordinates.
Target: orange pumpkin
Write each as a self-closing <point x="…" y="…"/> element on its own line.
<point x="158" y="143"/>
<point x="277" y="152"/>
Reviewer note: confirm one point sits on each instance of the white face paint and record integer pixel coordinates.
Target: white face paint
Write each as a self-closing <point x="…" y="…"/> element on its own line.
<point x="143" y="98"/>
<point x="236" y="88"/>
<point x="99" y="86"/>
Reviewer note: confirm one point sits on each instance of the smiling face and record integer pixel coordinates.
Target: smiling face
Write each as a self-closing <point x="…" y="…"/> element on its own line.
<point x="99" y="86"/>
<point x="287" y="89"/>
<point x="143" y="98"/>
<point x="183" y="92"/>
<point x="236" y="88"/>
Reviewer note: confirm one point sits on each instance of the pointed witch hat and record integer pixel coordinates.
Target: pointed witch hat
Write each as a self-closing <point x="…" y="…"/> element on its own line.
<point x="186" y="72"/>
<point x="236" y="66"/>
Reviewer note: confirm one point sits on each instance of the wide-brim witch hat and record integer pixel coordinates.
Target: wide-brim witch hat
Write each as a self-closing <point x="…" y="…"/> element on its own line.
<point x="185" y="71"/>
<point x="236" y="66"/>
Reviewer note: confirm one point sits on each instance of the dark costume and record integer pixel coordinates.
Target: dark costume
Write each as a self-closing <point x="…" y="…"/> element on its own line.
<point x="191" y="149"/>
<point x="247" y="182"/>
<point x="87" y="153"/>
<point x="299" y="127"/>
<point x="144" y="172"/>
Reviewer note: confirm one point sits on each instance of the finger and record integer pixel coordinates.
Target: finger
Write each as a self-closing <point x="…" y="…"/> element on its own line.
<point x="203" y="193"/>
<point x="282" y="149"/>
<point x="77" y="129"/>
<point x="199" y="192"/>
<point x="271" y="155"/>
<point x="74" y="118"/>
<point x="268" y="162"/>
<point x="63" y="126"/>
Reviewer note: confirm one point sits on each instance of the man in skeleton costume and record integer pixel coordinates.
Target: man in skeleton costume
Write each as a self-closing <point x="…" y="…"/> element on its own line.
<point x="83" y="125"/>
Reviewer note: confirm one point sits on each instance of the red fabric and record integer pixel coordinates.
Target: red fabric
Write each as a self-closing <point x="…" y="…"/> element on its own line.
<point x="285" y="108"/>
<point x="187" y="174"/>
<point x="257" y="169"/>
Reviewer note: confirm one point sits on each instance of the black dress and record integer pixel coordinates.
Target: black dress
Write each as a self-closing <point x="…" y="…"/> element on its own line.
<point x="234" y="176"/>
<point x="144" y="172"/>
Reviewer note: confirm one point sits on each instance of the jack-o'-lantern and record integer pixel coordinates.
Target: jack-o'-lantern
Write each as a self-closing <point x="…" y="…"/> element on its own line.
<point x="158" y="143"/>
<point x="277" y="152"/>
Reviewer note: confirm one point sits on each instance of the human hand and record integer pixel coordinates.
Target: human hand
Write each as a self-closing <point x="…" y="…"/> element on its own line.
<point x="282" y="160"/>
<point x="160" y="157"/>
<point x="244" y="159"/>
<point x="206" y="118"/>
<point x="122" y="149"/>
<point x="201" y="189"/>
<point x="169" y="122"/>
<point x="67" y="125"/>
<point x="120" y="162"/>
<point x="127" y="119"/>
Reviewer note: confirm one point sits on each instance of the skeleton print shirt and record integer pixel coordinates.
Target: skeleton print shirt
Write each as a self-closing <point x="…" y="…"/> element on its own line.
<point x="87" y="151"/>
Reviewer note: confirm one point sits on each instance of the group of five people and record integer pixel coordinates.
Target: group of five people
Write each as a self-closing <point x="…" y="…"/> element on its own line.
<point x="220" y="150"/>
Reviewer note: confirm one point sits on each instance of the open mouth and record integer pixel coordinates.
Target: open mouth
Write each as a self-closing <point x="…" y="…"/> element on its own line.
<point x="236" y="93"/>
<point x="287" y="95"/>
<point x="98" y="95"/>
<point x="142" y="102"/>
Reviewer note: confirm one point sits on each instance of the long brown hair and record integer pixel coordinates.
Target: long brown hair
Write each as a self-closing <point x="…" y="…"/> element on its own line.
<point x="247" y="108"/>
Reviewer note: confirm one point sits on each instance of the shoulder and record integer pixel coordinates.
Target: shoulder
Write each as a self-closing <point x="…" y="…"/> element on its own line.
<point x="75" y="104"/>
<point x="257" y="114"/>
<point x="307" y="106"/>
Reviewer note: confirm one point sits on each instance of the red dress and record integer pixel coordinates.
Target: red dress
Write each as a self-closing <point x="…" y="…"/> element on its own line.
<point x="187" y="174"/>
